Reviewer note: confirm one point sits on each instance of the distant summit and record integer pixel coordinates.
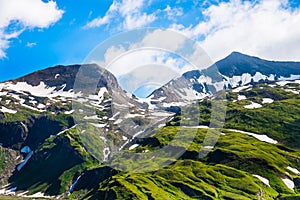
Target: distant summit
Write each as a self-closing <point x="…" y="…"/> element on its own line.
<point x="237" y="64"/>
<point x="235" y="70"/>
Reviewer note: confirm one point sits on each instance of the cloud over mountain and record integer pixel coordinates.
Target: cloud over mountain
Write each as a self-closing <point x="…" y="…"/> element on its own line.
<point x="17" y="16"/>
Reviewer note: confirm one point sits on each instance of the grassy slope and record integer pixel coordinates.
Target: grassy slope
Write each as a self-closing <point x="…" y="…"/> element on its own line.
<point x="226" y="173"/>
<point x="279" y="120"/>
<point x="228" y="176"/>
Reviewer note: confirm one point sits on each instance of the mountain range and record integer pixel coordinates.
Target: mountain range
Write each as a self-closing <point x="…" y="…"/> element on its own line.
<point x="235" y="70"/>
<point x="49" y="149"/>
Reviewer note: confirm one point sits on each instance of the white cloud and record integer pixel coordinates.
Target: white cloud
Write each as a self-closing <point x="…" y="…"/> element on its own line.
<point x="112" y="53"/>
<point x="100" y="21"/>
<point x="152" y="46"/>
<point x="146" y="75"/>
<point x="147" y="67"/>
<point x="31" y="44"/>
<point x="128" y="13"/>
<point x="137" y="20"/>
<point x="173" y="13"/>
<point x="120" y="62"/>
<point x="156" y="47"/>
<point x="174" y="42"/>
<point x="130" y="6"/>
<point x="3" y="46"/>
<point x="164" y="39"/>
<point x="267" y="28"/>
<point x="134" y="59"/>
<point x="16" y="16"/>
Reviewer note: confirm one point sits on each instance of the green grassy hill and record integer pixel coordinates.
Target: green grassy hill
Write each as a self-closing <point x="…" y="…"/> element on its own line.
<point x="227" y="172"/>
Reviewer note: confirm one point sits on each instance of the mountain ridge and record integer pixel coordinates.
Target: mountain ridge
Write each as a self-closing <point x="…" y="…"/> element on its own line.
<point x="43" y="152"/>
<point x="235" y="70"/>
<point x="260" y="65"/>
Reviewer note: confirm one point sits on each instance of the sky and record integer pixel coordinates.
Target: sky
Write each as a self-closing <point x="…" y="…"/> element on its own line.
<point x="36" y="34"/>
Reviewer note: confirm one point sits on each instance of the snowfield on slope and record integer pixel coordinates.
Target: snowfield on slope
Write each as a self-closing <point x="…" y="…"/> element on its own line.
<point x="263" y="138"/>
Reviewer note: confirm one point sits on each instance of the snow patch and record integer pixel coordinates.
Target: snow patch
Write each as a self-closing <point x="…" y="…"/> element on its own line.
<point x="129" y="115"/>
<point x="208" y="147"/>
<point x="15" y="96"/>
<point x="262" y="179"/>
<point x="101" y="92"/>
<point x="253" y="105"/>
<point x="8" y="191"/>
<point x="3" y="93"/>
<point x="289" y="183"/>
<point x="295" y="171"/>
<point x="176" y="104"/>
<point x="162" y="114"/>
<point x="292" y="77"/>
<point x="38" y="195"/>
<point x="263" y="138"/>
<point x="114" y="116"/>
<point x="161" y="125"/>
<point x="147" y="101"/>
<point x="118" y="121"/>
<point x="6" y="110"/>
<point x="297" y="81"/>
<point x="63" y="131"/>
<point x="242" y="97"/>
<point x="32" y="108"/>
<point x="120" y="105"/>
<point x="69" y="112"/>
<point x="33" y="102"/>
<point x="267" y="100"/>
<point x="259" y="76"/>
<point x="91" y="117"/>
<point x="293" y="91"/>
<point x="41" y="106"/>
<point x="41" y="90"/>
<point x="236" y="90"/>
<point x="98" y="125"/>
<point x="133" y="146"/>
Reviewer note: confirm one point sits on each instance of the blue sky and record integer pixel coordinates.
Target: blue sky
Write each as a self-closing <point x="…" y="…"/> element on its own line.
<point x="44" y="33"/>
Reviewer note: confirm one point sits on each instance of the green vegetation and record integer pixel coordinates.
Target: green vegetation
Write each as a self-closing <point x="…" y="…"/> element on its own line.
<point x="225" y="173"/>
<point x="279" y="120"/>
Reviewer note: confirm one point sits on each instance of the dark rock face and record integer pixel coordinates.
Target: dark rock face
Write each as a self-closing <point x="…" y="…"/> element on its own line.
<point x="53" y="77"/>
<point x="16" y="135"/>
<point x="92" y="178"/>
<point x="41" y="129"/>
<point x="195" y="74"/>
<point x="198" y="87"/>
<point x="46" y="166"/>
<point x="1" y="116"/>
<point x="12" y="134"/>
<point x="89" y="74"/>
<point x="236" y="64"/>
